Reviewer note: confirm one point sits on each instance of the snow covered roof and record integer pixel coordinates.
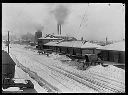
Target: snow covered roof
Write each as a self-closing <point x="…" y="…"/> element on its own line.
<point x="51" y="44"/>
<point x="48" y="38"/>
<point x="60" y="35"/>
<point x="77" y="44"/>
<point x="66" y="44"/>
<point x="90" y="45"/>
<point x="118" y="46"/>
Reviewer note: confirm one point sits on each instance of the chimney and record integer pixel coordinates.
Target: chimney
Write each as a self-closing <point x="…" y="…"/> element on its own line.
<point x="58" y="28"/>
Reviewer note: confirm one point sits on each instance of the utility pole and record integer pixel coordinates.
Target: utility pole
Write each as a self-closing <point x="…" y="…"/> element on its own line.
<point x="8" y="42"/>
<point x="106" y="40"/>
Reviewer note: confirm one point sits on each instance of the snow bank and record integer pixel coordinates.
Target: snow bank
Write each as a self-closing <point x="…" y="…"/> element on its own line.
<point x="110" y="72"/>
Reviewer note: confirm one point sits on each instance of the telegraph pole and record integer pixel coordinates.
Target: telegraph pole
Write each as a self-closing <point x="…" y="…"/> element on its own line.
<point x="8" y="42"/>
<point x="106" y="40"/>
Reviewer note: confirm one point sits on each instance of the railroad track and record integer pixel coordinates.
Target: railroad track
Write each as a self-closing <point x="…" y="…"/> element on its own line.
<point x="88" y="81"/>
<point x="34" y="75"/>
<point x="100" y="82"/>
<point x="51" y="89"/>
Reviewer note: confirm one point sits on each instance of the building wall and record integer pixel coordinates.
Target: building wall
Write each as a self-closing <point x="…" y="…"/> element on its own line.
<point x="41" y="42"/>
<point x="64" y="50"/>
<point x="104" y="55"/>
<point x="87" y="51"/>
<point x="70" y="50"/>
<point x="113" y="56"/>
<point x="96" y="51"/>
<point x="121" y="57"/>
<point x="58" y="49"/>
<point x="38" y="34"/>
<point x="77" y="51"/>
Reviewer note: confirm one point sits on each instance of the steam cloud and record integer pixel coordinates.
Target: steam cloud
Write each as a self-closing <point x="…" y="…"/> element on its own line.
<point x="61" y="12"/>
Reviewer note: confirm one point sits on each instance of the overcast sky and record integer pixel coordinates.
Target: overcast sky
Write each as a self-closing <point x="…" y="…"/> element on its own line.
<point x="97" y="20"/>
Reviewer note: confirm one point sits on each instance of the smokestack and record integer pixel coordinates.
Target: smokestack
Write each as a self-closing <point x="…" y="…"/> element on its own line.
<point x="61" y="12"/>
<point x="60" y="29"/>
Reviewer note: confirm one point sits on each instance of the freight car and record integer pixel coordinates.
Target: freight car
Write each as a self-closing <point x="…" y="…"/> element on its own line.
<point x="8" y="77"/>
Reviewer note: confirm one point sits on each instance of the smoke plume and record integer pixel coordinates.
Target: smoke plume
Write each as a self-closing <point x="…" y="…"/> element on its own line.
<point x="61" y="12"/>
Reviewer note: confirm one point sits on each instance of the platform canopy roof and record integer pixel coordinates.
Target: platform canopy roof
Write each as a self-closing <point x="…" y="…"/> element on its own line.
<point x="118" y="46"/>
<point x="90" y="45"/>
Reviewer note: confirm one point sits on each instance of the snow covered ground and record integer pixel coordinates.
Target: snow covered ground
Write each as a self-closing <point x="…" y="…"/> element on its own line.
<point x="54" y="72"/>
<point x="40" y="63"/>
<point x="21" y="74"/>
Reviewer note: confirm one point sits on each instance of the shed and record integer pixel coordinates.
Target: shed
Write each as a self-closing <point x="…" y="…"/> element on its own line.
<point x="114" y="52"/>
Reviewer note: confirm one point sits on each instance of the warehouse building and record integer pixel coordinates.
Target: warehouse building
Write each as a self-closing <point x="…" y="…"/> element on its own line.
<point x="114" y="52"/>
<point x="74" y="48"/>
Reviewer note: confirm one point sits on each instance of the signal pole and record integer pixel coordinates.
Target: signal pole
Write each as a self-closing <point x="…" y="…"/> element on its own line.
<point x="8" y="42"/>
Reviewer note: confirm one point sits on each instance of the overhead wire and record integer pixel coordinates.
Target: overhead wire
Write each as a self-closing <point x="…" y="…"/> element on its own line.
<point x="84" y="18"/>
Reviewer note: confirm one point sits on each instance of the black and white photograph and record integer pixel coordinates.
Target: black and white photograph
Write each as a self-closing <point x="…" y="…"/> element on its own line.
<point x="63" y="47"/>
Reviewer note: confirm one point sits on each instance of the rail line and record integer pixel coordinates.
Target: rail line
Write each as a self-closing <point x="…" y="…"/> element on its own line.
<point x="37" y="78"/>
<point x="101" y="87"/>
<point x="51" y="76"/>
<point x="88" y="81"/>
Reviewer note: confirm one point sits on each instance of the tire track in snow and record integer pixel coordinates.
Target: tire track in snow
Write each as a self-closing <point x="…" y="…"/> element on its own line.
<point x="37" y="78"/>
<point x="61" y="83"/>
<point x="54" y="78"/>
<point x="55" y="69"/>
<point x="88" y="82"/>
<point x="98" y="85"/>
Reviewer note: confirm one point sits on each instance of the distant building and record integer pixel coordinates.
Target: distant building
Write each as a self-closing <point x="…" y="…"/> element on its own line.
<point x="38" y="34"/>
<point x="44" y="40"/>
<point x="66" y="38"/>
<point x="75" y="48"/>
<point x="50" y="37"/>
